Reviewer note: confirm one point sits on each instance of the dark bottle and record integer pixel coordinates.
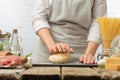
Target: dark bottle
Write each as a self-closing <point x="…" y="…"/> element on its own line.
<point x="14" y="43"/>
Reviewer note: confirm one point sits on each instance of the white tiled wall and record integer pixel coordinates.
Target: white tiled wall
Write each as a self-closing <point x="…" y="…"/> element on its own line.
<point x="18" y="13"/>
<point x="114" y="8"/>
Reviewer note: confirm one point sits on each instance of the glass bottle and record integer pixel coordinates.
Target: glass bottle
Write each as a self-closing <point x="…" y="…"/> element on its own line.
<point x="14" y="44"/>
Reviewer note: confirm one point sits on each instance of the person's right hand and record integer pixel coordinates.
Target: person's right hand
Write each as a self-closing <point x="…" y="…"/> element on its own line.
<point x="50" y="43"/>
<point x="60" y="48"/>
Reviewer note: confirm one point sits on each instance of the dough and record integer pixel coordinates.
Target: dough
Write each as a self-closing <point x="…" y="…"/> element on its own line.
<point x="59" y="58"/>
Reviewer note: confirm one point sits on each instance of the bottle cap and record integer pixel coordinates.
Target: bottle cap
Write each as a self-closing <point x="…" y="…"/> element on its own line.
<point x="15" y="30"/>
<point x="4" y="34"/>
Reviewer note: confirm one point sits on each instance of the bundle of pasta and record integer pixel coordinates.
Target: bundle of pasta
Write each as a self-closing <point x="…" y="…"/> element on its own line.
<point x="109" y="28"/>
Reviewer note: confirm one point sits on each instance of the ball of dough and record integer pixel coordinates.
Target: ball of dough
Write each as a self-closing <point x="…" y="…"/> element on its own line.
<point x="59" y="58"/>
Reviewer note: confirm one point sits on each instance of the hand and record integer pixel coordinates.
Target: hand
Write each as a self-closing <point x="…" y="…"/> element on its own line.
<point x="87" y="59"/>
<point x="50" y="43"/>
<point x="60" y="48"/>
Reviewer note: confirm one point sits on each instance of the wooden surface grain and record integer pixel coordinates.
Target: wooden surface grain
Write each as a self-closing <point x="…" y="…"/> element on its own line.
<point x="108" y="74"/>
<point x="59" y="73"/>
<point x="10" y="74"/>
<point x="77" y="73"/>
<point x="42" y="73"/>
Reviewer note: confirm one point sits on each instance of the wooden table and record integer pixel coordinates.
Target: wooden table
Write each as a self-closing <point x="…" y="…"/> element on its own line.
<point x="11" y="74"/>
<point x="59" y="73"/>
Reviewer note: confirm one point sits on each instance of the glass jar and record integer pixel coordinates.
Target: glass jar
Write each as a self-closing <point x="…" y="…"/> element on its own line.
<point x="115" y="47"/>
<point x="106" y="49"/>
<point x="4" y="41"/>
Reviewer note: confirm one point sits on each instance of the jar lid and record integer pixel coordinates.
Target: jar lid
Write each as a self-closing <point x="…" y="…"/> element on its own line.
<point x="15" y="30"/>
<point x="4" y="34"/>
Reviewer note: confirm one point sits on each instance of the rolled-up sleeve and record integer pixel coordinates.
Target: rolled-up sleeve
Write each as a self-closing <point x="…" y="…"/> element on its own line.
<point x="99" y="10"/>
<point x="40" y="14"/>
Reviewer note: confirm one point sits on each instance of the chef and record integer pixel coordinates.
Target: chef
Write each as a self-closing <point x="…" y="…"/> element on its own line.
<point x="68" y="26"/>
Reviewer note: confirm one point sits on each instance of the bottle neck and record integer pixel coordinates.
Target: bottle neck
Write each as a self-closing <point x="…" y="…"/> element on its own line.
<point x="14" y="39"/>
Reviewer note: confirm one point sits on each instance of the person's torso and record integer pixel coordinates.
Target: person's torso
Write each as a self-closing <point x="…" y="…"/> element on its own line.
<point x="70" y="21"/>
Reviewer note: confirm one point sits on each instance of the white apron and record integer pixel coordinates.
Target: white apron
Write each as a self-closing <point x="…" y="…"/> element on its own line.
<point x="70" y="21"/>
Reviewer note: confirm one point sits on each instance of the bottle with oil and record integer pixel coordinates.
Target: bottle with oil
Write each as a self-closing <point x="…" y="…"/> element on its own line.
<point x="14" y="43"/>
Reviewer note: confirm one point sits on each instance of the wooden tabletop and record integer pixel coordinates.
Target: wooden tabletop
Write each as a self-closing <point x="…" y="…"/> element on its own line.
<point x="59" y="73"/>
<point x="11" y="74"/>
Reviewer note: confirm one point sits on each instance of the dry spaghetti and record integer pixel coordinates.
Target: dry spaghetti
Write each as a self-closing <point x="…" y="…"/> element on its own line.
<point x="109" y="28"/>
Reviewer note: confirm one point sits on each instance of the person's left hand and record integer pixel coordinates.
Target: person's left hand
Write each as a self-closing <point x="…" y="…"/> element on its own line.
<point x="87" y="59"/>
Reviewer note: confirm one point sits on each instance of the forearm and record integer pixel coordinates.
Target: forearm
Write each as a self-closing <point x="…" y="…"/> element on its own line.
<point x="91" y="48"/>
<point x="46" y="37"/>
<point x="50" y="43"/>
